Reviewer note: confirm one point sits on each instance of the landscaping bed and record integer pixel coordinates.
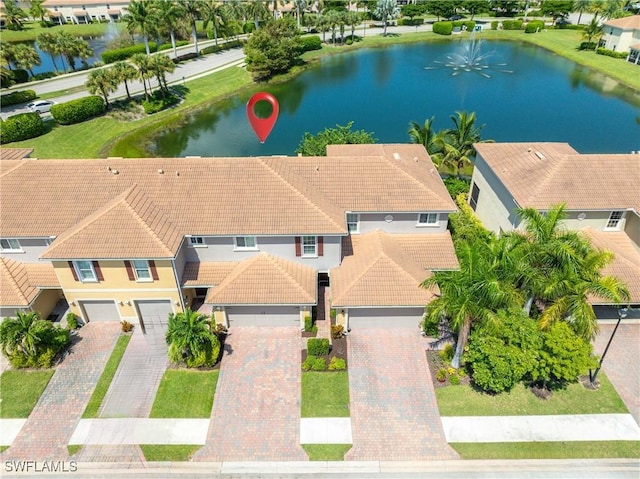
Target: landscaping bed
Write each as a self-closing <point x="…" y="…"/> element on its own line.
<point x="337" y="352"/>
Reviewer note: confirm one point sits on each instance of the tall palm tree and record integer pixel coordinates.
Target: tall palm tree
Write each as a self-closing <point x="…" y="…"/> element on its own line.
<point x="214" y="12"/>
<point x="301" y="6"/>
<point x="124" y="72"/>
<point x="613" y="9"/>
<point x="466" y="133"/>
<point x="160" y="65"/>
<point x="423" y="134"/>
<point x="387" y="10"/>
<point x="21" y="334"/>
<point x="352" y="19"/>
<point x="37" y="10"/>
<point x="169" y="14"/>
<point x="27" y="57"/>
<point x="102" y="81"/>
<point x="13" y="15"/>
<point x="192" y="10"/>
<point x="593" y="32"/>
<point x="140" y="17"/>
<point x="48" y="43"/>
<point x="258" y="10"/>
<point x="8" y="54"/>
<point x="188" y="334"/>
<point x="143" y="65"/>
<point x="581" y="6"/>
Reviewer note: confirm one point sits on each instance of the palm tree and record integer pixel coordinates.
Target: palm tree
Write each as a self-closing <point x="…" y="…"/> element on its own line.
<point x="27" y="57"/>
<point x="188" y="335"/>
<point x="301" y="6"/>
<point x="71" y="47"/>
<point x="352" y="19"/>
<point x="160" y="65"/>
<point x="332" y="17"/>
<point x="102" y="81"/>
<point x="613" y="9"/>
<point x="124" y="72"/>
<point x="37" y="10"/>
<point x="13" y="15"/>
<point x="593" y="32"/>
<point x="387" y="10"/>
<point x="21" y="334"/>
<point x="8" y="54"/>
<point x="141" y="17"/>
<point x="214" y="12"/>
<point x="423" y="134"/>
<point x="143" y="65"/>
<point x="48" y="43"/>
<point x="581" y="6"/>
<point x="169" y="14"/>
<point x="465" y="133"/>
<point x="258" y="10"/>
<point x="191" y="10"/>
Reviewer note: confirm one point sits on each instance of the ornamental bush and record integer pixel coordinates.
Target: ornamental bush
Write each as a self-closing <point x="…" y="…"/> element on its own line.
<point x="21" y="127"/>
<point x="534" y="26"/>
<point x="337" y="364"/>
<point x="15" y="97"/>
<point x="118" y="54"/>
<point x="611" y="53"/>
<point x="443" y="28"/>
<point x="19" y="75"/>
<point x="410" y="22"/>
<point x="76" y="111"/>
<point x="311" y="43"/>
<point x="469" y="24"/>
<point x="221" y="47"/>
<point x="512" y="24"/>
<point x="318" y="346"/>
<point x="314" y="363"/>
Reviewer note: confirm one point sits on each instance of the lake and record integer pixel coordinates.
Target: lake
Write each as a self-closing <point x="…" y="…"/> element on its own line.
<point x="523" y="94"/>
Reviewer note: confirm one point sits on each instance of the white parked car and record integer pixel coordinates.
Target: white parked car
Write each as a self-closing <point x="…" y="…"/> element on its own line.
<point x="40" y="106"/>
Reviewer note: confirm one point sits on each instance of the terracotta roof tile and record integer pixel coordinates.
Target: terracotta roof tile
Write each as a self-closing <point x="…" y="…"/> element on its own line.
<point x="265" y="279"/>
<point x="20" y="283"/>
<point x="7" y="154"/>
<point x="206" y="273"/>
<point x="631" y="22"/>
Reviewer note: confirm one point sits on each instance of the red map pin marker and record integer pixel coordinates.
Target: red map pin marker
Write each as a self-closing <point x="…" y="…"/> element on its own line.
<point x="262" y="126"/>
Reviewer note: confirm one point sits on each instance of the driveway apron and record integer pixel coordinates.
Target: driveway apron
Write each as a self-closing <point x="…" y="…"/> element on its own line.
<point x="394" y="414"/>
<point x="256" y="411"/>
<point x="57" y="413"/>
<point x="136" y="382"/>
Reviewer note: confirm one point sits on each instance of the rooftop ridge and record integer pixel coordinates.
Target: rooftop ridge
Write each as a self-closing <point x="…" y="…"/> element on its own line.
<point x="278" y="264"/>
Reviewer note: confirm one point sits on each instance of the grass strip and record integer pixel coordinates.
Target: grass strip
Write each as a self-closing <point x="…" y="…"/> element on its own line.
<point x="20" y="390"/>
<point x="547" y="450"/>
<point x="174" y="453"/>
<point x="325" y="394"/>
<point x="574" y="399"/>
<point x="326" y="452"/>
<point x="185" y="394"/>
<point x="104" y="382"/>
<point x="73" y="448"/>
<point x="33" y="29"/>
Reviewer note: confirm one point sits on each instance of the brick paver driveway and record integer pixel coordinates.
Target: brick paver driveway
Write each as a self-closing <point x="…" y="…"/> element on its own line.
<point x="54" y="418"/>
<point x="622" y="362"/>
<point x="256" y="411"/>
<point x="394" y="415"/>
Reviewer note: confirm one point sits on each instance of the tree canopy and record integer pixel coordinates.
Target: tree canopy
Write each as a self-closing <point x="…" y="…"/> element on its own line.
<point x="273" y="49"/>
<point x="316" y="145"/>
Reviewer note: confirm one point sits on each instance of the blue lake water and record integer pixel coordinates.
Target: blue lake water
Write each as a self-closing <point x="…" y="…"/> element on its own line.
<point x="530" y="95"/>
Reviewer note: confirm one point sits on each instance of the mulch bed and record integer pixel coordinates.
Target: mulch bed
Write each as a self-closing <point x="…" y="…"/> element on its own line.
<point x="338" y="349"/>
<point x="435" y="364"/>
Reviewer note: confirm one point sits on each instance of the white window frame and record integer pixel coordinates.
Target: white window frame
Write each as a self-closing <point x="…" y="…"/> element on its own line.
<point x="308" y="243"/>
<point x="615" y="219"/>
<point x="356" y="222"/>
<point x="12" y="245"/>
<point x="140" y="265"/>
<point x="241" y="243"/>
<point x="428" y="223"/>
<point x="197" y="242"/>
<point x="80" y="272"/>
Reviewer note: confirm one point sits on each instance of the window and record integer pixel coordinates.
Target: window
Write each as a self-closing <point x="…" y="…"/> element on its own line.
<point x="614" y="219"/>
<point x="309" y="246"/>
<point x="141" y="268"/>
<point x="196" y="241"/>
<point x="428" y="219"/>
<point x="353" y="222"/>
<point x="246" y="242"/>
<point x="10" y="244"/>
<point x="85" y="271"/>
<point x="475" y="192"/>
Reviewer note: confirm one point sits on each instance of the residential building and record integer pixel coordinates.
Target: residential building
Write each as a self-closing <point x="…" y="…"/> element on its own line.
<point x="247" y="240"/>
<point x="85" y="11"/>
<point x="623" y="35"/>
<point x="600" y="192"/>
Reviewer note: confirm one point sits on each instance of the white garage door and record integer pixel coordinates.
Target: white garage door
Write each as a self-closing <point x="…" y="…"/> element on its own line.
<point x="154" y="315"/>
<point x="100" y="310"/>
<point x="263" y="315"/>
<point x="390" y="318"/>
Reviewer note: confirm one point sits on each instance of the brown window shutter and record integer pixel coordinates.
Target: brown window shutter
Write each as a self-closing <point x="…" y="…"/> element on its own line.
<point x="154" y="271"/>
<point x="298" y="246"/>
<point x="73" y="270"/>
<point x="320" y="246"/>
<point x="130" y="273"/>
<point x="98" y="271"/>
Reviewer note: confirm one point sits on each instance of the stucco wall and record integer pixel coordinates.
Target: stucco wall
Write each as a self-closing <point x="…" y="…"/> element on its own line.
<point x="32" y="248"/>
<point x="46" y="302"/>
<point x="632" y="228"/>
<point x="401" y="223"/>
<point x="495" y="204"/>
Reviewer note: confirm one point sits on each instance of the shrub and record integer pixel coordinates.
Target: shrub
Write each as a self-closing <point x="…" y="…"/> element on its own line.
<point x="126" y="326"/>
<point x="15" y="97"/>
<point x="314" y="363"/>
<point x="77" y="111"/>
<point x="168" y="46"/>
<point x="348" y="41"/>
<point x="337" y="364"/>
<point x="72" y="321"/>
<point x="43" y="76"/>
<point x="441" y="375"/>
<point x="611" y="53"/>
<point x="457" y="186"/>
<point x="220" y="331"/>
<point x="221" y="47"/>
<point x="318" y="346"/>
<point x="333" y="313"/>
<point x="110" y="56"/>
<point x="21" y="127"/>
<point x="494" y="25"/>
<point x="430" y="325"/>
<point x="512" y="24"/>
<point x="454" y="380"/>
<point x="158" y="103"/>
<point x="468" y="24"/>
<point x="443" y="28"/>
<point x="337" y="331"/>
<point x="308" y="323"/>
<point x="311" y="43"/>
<point x="52" y="340"/>
<point x="587" y="46"/>
<point x="184" y="57"/>
<point x="411" y="21"/>
<point x="534" y="26"/>
<point x="447" y="353"/>
<point x="208" y="355"/>
<point x="20" y="76"/>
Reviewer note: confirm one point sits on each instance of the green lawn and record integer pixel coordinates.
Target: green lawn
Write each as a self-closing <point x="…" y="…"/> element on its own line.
<point x="547" y="450"/>
<point x="181" y="453"/>
<point x="185" y="394"/>
<point x="575" y="399"/>
<point x="326" y="452"/>
<point x="73" y="448"/>
<point x="3" y="448"/>
<point x="104" y="382"/>
<point x="325" y="394"/>
<point x="32" y="30"/>
<point x="20" y="391"/>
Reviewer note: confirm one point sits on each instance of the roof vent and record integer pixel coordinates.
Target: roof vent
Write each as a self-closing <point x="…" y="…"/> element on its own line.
<point x="529" y="149"/>
<point x="108" y="168"/>
<point x="317" y="168"/>
<point x="415" y="158"/>
<point x="540" y="155"/>
<point x="396" y="156"/>
<point x="160" y="171"/>
<point x="115" y="172"/>
<point x="177" y="173"/>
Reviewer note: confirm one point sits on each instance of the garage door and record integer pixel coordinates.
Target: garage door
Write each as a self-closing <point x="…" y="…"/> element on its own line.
<point x="263" y="315"/>
<point x="389" y="318"/>
<point x="100" y="310"/>
<point x="154" y="315"/>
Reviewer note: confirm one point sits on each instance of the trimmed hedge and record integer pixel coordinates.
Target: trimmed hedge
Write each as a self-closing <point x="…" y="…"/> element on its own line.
<point x="318" y="346"/>
<point x="168" y="46"/>
<point x="21" y="127"/>
<point x="512" y="24"/>
<point x="20" y="76"/>
<point x="76" y="111"/>
<point x="311" y="43"/>
<point x="15" y="97"/>
<point x="611" y="53"/>
<point x="118" y="54"/>
<point x="410" y="22"/>
<point x="534" y="26"/>
<point x="158" y="103"/>
<point x="470" y="24"/>
<point x="221" y="47"/>
<point x="443" y="28"/>
<point x="494" y="25"/>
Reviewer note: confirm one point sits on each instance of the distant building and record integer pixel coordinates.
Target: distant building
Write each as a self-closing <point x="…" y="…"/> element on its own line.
<point x="85" y="11"/>
<point x="623" y="35"/>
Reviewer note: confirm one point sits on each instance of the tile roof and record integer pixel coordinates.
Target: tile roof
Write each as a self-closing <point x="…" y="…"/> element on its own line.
<point x="631" y="22"/>
<point x="539" y="175"/>
<point x="20" y="282"/>
<point x="207" y="274"/>
<point x="7" y="154"/>
<point x="209" y="196"/>
<point x="387" y="269"/>
<point x="265" y="279"/>
<point x="626" y="263"/>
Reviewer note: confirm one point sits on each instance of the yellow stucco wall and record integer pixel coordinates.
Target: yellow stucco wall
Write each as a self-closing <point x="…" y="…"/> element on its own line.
<point x="46" y="301"/>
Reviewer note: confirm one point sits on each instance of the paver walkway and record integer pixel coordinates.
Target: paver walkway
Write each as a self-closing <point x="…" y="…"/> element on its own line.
<point x="256" y="411"/>
<point x="56" y="415"/>
<point x="394" y="412"/>
<point x="622" y="362"/>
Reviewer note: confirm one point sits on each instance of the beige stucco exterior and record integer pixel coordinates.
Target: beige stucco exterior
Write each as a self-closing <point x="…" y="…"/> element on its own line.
<point x="46" y="302"/>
